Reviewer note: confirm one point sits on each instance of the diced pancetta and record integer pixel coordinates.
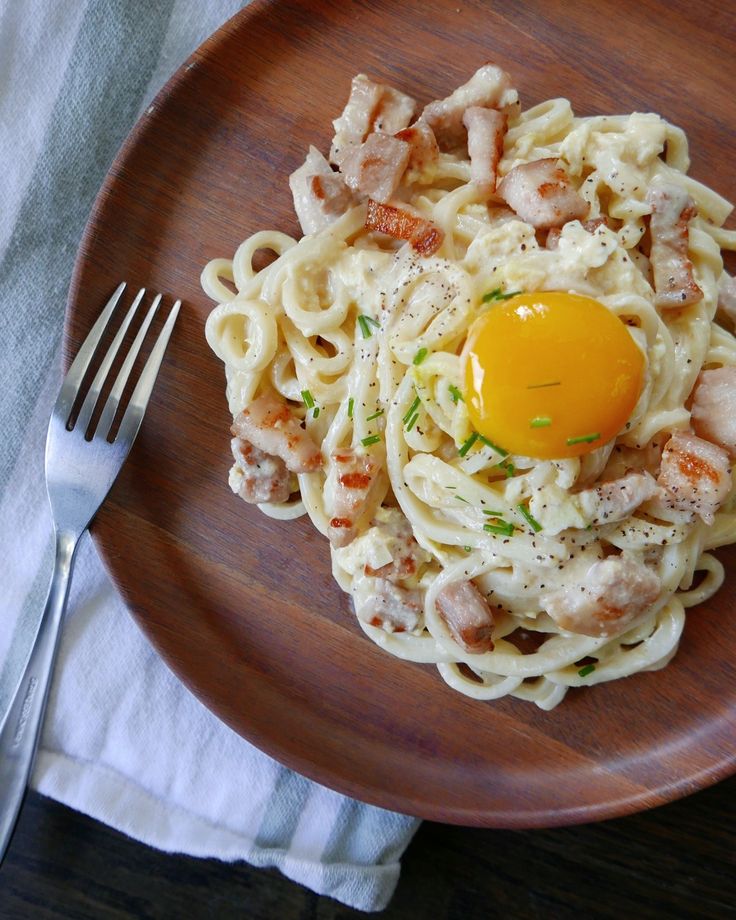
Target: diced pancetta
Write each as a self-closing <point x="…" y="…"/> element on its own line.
<point x="674" y="284"/>
<point x="695" y="476"/>
<point x="541" y="194"/>
<point x="613" y="501"/>
<point x="424" y="235"/>
<point x="257" y="476"/>
<point x="320" y="195"/>
<point x="390" y="607"/>
<point x="424" y="153"/>
<point x="486" y="129"/>
<point x="467" y="615"/>
<point x="374" y="169"/>
<point x="351" y="480"/>
<point x="489" y="87"/>
<point x="269" y="425"/>
<point x="371" y="107"/>
<point x="714" y="407"/>
<point x="614" y="592"/>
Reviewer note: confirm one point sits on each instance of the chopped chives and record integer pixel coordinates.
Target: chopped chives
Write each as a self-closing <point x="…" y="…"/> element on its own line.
<point x="461" y="499"/>
<point x="468" y="549"/>
<point x="506" y="528"/>
<point x="584" y="439"/>
<point x="420" y="356"/>
<point x="498" y="294"/>
<point x="508" y="467"/>
<point x="412" y="409"/>
<point x="455" y="393"/>
<point x="375" y="415"/>
<point x="588" y="669"/>
<point x="412" y="421"/>
<point x="308" y="399"/>
<point x="540" y="421"/>
<point x="469" y="443"/>
<point x="315" y="414"/>
<point x="365" y="323"/>
<point x="538" y="386"/>
<point x="528" y="517"/>
<point x="351" y="405"/>
<point x="494" y="513"/>
<point x="499" y="450"/>
<point x="371" y="439"/>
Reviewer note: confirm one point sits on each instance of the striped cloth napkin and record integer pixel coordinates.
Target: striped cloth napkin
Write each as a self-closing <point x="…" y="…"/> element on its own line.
<point x="124" y="741"/>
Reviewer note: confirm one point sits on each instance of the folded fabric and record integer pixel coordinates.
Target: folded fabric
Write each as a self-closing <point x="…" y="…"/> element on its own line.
<point x="124" y="741"/>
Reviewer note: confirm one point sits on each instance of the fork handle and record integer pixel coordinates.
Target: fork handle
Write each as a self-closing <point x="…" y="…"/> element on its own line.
<point x="21" y="729"/>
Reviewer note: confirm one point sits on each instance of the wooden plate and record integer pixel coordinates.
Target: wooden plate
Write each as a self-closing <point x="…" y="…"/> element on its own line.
<point x="243" y="608"/>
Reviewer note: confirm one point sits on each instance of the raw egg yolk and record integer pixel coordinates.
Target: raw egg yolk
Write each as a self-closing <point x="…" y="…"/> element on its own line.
<point x="551" y="375"/>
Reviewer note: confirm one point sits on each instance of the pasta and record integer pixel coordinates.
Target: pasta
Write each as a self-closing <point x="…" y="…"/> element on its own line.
<point x="356" y="340"/>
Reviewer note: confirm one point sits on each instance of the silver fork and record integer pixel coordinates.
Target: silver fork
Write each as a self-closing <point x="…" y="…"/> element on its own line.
<point x="79" y="474"/>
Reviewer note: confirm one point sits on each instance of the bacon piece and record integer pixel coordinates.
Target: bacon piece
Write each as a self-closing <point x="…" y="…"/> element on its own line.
<point x="406" y="554"/>
<point x="354" y="475"/>
<point x="714" y="407"/>
<point x="467" y="615"/>
<point x="371" y="107"/>
<point x="694" y="476"/>
<point x="553" y="236"/>
<point x="674" y="284"/>
<point x="541" y="194"/>
<point x="320" y="195"/>
<point x="424" y="154"/>
<point x="614" y="592"/>
<point x="613" y="501"/>
<point x="257" y="476"/>
<point x="375" y="167"/>
<point x="269" y="425"/>
<point x="390" y="607"/>
<point x="424" y="236"/>
<point x="489" y="87"/>
<point x="486" y="130"/>
<point x="727" y="296"/>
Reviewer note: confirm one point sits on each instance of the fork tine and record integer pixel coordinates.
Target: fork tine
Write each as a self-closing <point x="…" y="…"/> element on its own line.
<point x="139" y="400"/>
<point x="75" y="374"/>
<point x="90" y="400"/>
<point x="113" y="400"/>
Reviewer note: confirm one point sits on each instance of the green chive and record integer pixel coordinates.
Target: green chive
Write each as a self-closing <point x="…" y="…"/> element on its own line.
<point x="351" y="405"/>
<point x="538" y="386"/>
<point x="375" y="415"/>
<point x="499" y="450"/>
<point x="455" y="393"/>
<point x="371" y="439"/>
<point x="461" y="499"/>
<point x="469" y="443"/>
<point x="420" y="356"/>
<point x="468" y="549"/>
<point x="365" y="323"/>
<point x="531" y="521"/>
<point x="308" y="399"/>
<point x="498" y="294"/>
<point x="588" y="669"/>
<point x="412" y="421"/>
<point x="315" y="414"/>
<point x="508" y="467"/>
<point x="498" y="514"/>
<point x="507" y="529"/>
<point x="584" y="439"/>
<point x="412" y="409"/>
<point x="541" y="421"/>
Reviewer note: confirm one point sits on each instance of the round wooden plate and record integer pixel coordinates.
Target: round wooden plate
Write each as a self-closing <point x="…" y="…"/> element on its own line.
<point x="244" y="608"/>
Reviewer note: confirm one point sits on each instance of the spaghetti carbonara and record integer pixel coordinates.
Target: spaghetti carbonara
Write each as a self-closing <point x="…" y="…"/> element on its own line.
<point x="490" y="374"/>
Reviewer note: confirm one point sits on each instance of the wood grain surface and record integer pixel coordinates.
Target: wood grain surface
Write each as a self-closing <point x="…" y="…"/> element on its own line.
<point x="243" y="608"/>
<point x="674" y="862"/>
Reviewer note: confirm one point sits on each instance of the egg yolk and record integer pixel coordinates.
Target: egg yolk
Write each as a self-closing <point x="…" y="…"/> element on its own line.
<point x="551" y="375"/>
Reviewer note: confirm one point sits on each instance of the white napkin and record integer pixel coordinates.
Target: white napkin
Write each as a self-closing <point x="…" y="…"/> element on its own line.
<point x="124" y="741"/>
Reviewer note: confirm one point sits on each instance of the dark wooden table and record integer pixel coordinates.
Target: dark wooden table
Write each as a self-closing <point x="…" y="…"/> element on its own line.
<point x="676" y="861"/>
